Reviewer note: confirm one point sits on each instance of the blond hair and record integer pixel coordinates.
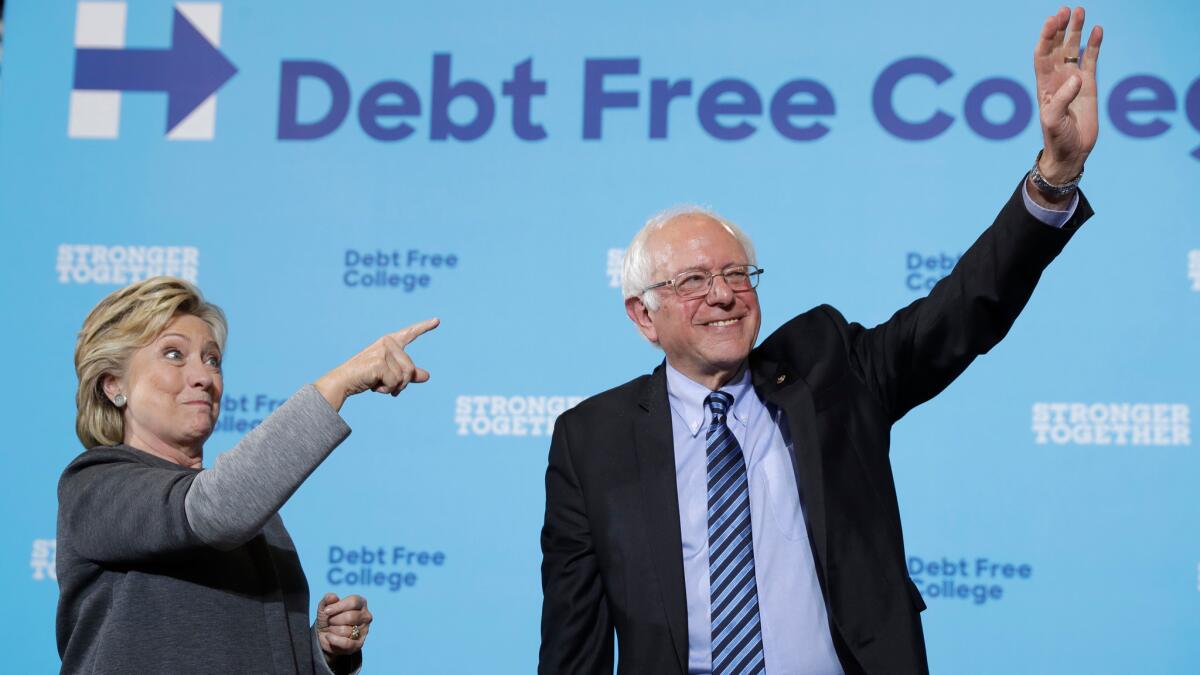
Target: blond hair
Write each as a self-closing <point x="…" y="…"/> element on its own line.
<point x="121" y="323"/>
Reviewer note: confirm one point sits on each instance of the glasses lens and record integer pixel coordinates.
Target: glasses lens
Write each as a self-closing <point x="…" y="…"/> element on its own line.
<point x="753" y="275"/>
<point x="691" y="284"/>
<point x="738" y="278"/>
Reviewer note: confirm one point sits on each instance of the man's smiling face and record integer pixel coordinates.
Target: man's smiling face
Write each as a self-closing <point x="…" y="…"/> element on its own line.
<point x="710" y="336"/>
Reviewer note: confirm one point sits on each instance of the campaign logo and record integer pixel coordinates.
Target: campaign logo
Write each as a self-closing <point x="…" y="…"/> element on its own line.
<point x="189" y="72"/>
<point x="42" y="560"/>
<point x="408" y="271"/>
<point x="1112" y="424"/>
<point x="120" y="265"/>
<point x="1194" y="269"/>
<point x="385" y="567"/>
<point x="510" y="415"/>
<point x="616" y="257"/>
<point x="977" y="580"/>
<point x="923" y="271"/>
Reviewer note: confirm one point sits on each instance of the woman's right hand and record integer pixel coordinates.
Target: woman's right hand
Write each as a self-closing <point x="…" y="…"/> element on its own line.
<point x="381" y="367"/>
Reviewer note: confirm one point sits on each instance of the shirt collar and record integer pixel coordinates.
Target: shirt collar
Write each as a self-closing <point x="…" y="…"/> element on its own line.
<point x="687" y="398"/>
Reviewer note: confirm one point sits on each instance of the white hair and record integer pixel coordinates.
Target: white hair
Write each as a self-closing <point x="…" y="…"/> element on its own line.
<point x="637" y="268"/>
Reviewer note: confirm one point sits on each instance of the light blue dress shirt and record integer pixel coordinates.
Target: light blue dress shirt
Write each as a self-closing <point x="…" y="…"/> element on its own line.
<point x="795" y="626"/>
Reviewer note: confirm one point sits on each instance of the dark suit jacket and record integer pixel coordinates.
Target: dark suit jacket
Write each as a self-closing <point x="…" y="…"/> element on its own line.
<point x="612" y="555"/>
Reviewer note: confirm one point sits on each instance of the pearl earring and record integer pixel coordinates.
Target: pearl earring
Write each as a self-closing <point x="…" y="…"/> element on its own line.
<point x="119" y="400"/>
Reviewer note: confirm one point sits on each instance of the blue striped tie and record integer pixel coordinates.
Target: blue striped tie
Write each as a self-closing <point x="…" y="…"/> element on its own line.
<point x="733" y="595"/>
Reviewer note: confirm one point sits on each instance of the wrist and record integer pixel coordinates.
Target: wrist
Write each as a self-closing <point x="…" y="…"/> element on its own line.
<point x="1051" y="202"/>
<point x="1051" y="180"/>
<point x="1058" y="172"/>
<point x="331" y="390"/>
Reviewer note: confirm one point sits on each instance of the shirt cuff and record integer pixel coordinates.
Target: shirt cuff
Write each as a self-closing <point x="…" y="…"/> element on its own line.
<point x="1048" y="216"/>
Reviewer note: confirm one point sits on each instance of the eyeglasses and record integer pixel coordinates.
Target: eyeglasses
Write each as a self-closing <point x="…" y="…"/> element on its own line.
<point x="695" y="283"/>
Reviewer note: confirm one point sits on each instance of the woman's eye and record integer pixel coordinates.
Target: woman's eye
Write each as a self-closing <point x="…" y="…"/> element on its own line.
<point x="173" y="354"/>
<point x="213" y="361"/>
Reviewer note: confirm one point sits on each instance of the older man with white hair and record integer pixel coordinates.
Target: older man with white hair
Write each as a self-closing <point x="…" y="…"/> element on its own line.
<point x="734" y="511"/>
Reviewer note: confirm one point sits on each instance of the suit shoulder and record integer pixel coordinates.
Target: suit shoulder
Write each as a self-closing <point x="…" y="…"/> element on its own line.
<point x="607" y="404"/>
<point x="112" y="454"/>
<point x="103" y="454"/>
<point x="605" y="411"/>
<point x="821" y="326"/>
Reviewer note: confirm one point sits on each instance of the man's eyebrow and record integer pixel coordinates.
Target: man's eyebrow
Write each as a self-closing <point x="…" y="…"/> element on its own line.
<point x="722" y="268"/>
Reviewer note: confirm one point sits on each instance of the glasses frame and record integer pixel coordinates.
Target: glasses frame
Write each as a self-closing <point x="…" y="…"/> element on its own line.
<point x="753" y="272"/>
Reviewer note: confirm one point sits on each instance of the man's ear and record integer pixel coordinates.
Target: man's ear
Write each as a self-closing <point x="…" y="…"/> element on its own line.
<point x="639" y="313"/>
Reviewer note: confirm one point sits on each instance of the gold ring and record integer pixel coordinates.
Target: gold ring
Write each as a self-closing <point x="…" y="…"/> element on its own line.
<point x="1070" y="59"/>
<point x="355" y="632"/>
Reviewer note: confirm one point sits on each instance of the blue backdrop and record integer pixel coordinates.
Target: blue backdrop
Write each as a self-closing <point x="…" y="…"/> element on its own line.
<point x="364" y="165"/>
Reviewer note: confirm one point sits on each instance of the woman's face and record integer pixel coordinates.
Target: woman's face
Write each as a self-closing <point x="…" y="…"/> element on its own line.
<point x="173" y="387"/>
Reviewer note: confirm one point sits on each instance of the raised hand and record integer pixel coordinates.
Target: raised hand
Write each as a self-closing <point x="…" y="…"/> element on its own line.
<point x="342" y="624"/>
<point x="1066" y="92"/>
<point x="383" y="367"/>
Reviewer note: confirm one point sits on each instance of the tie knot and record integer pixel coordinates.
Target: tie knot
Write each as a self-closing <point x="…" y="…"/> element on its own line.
<point x="719" y="403"/>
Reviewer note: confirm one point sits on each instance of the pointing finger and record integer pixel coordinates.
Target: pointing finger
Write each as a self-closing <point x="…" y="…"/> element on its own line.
<point x="407" y="335"/>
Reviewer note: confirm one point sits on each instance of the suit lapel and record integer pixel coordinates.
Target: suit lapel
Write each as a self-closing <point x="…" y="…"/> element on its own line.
<point x="779" y="385"/>
<point x="656" y="468"/>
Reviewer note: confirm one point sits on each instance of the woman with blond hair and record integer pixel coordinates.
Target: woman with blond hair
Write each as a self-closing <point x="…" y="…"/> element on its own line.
<point x="165" y="566"/>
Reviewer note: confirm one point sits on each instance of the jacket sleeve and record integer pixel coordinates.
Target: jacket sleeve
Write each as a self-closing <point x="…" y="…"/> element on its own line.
<point x="115" y="509"/>
<point x="229" y="503"/>
<point x="577" y="631"/>
<point x="919" y="351"/>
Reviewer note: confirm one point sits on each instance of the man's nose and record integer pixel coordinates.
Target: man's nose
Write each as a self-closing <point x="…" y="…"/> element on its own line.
<point x="719" y="292"/>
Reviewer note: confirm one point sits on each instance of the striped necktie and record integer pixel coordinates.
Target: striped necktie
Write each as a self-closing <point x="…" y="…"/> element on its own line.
<point x="733" y="595"/>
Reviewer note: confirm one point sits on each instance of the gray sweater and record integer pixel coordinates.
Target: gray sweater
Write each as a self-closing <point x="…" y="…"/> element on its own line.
<point x="165" y="569"/>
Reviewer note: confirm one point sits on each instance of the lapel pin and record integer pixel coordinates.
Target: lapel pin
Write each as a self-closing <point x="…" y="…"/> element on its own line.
<point x="780" y="379"/>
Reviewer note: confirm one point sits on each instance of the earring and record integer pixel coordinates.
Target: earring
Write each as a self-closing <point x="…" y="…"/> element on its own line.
<point x="119" y="400"/>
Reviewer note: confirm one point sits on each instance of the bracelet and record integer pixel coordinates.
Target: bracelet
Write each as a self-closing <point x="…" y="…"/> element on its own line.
<point x="1046" y="187"/>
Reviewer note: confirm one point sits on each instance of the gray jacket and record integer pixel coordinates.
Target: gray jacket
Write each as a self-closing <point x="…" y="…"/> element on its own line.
<point x="165" y="569"/>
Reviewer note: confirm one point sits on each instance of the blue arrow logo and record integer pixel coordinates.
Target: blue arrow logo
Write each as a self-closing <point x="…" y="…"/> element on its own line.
<point x="189" y="72"/>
